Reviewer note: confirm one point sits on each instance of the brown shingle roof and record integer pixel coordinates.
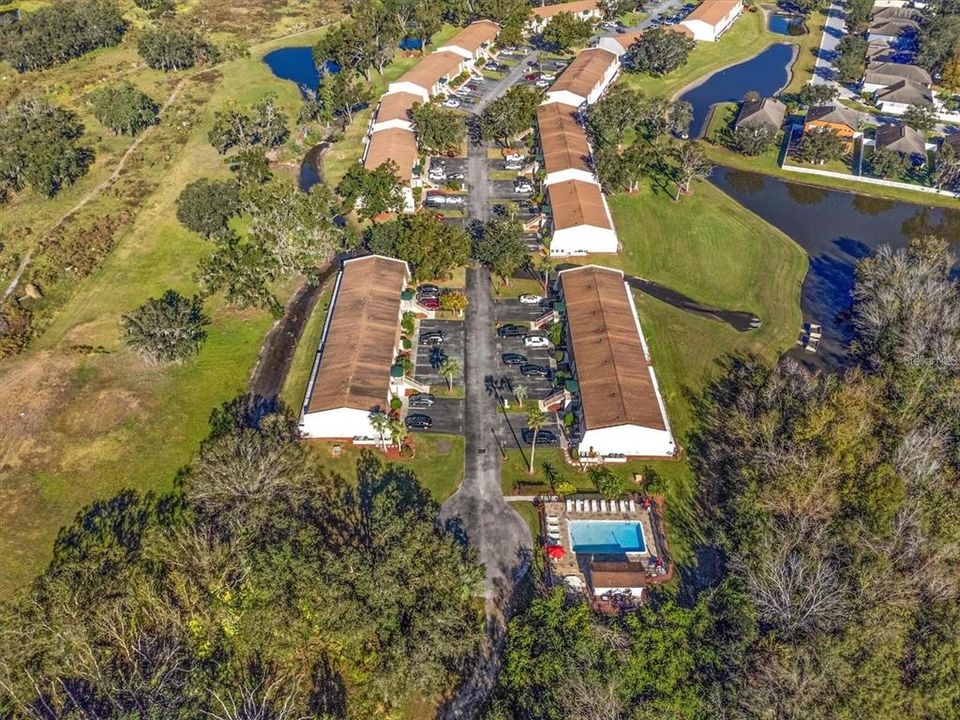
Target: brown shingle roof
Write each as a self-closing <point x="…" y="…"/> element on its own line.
<point x="562" y="140"/>
<point x="579" y="6"/>
<point x="613" y="374"/>
<point x="362" y="336"/>
<point x="881" y="69"/>
<point x="474" y="35"/>
<point x="434" y="66"/>
<point x="396" y="106"/>
<point x="576" y="202"/>
<point x="395" y="144"/>
<point x="765" y="111"/>
<point x="900" y="138"/>
<point x="836" y="114"/>
<point x="907" y="93"/>
<point x="712" y="11"/>
<point x="585" y="72"/>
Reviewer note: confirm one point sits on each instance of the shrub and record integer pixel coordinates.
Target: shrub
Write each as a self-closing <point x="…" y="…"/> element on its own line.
<point x="396" y="403"/>
<point x="606" y="481"/>
<point x="205" y="206"/>
<point x="124" y="109"/>
<point x="171" y="47"/>
<point x="166" y="329"/>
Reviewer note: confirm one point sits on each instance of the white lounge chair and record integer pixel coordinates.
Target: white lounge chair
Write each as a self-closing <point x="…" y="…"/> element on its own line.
<point x="552" y="518"/>
<point x="581" y="505"/>
<point x="622" y="505"/>
<point x="569" y="505"/>
<point x="632" y="506"/>
<point x="593" y="505"/>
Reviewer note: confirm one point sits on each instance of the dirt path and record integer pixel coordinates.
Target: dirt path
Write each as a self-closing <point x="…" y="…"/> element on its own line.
<point x="99" y="188"/>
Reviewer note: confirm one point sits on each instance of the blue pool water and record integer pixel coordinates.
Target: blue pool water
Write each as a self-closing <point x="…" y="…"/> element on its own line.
<point x="606" y="536"/>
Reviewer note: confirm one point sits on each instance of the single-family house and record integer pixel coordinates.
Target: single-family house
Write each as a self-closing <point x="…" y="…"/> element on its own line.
<point x="394" y="111"/>
<point x="896" y="98"/>
<point x="880" y="75"/>
<point x="580" y="219"/>
<point x="473" y="42"/>
<point x="902" y="139"/>
<point x="620" y="407"/>
<point x="763" y="112"/>
<point x="585" y="79"/>
<point x="711" y="18"/>
<point x="580" y="9"/>
<point x="353" y="372"/>
<point x="845" y="122"/>
<point x="400" y="146"/>
<point x="893" y="25"/>
<point x="564" y="149"/>
<point x="619" y="44"/>
<point x="430" y="76"/>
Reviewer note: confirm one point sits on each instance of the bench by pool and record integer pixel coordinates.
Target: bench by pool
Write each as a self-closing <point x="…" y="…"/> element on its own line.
<point x="606" y="537"/>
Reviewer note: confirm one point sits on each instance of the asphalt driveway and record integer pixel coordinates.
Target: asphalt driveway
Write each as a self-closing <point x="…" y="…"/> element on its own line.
<point x="447" y="416"/>
<point x="430" y="357"/>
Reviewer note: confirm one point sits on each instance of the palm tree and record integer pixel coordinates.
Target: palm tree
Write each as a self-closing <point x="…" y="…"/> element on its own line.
<point x="535" y="421"/>
<point x="449" y="369"/>
<point x="380" y="422"/>
<point x="397" y="429"/>
<point x="520" y="394"/>
<point x="547" y="265"/>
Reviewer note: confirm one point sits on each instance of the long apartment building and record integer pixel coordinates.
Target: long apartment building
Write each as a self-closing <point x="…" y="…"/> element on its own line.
<point x="391" y="135"/>
<point x="620" y="409"/>
<point x="580" y="221"/>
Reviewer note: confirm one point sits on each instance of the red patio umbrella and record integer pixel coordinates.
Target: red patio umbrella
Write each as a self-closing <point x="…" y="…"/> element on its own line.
<point x="556" y="552"/>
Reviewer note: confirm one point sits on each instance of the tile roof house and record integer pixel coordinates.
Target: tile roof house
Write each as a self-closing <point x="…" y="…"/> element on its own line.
<point x="394" y="111"/>
<point x="896" y="98"/>
<point x="585" y="79"/>
<point x="902" y="139"/>
<point x="893" y="25"/>
<point x="619" y="44"/>
<point x="430" y="76"/>
<point x="620" y="408"/>
<point x="351" y="375"/>
<point x="580" y="219"/>
<point x="400" y="146"/>
<point x="581" y="9"/>
<point x="711" y="18"/>
<point x="765" y="112"/>
<point x="474" y="41"/>
<point x="564" y="148"/>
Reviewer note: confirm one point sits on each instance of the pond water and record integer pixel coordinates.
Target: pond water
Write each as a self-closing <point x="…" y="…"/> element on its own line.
<point x="767" y="74"/>
<point x="785" y="24"/>
<point x="296" y="65"/>
<point x="837" y="229"/>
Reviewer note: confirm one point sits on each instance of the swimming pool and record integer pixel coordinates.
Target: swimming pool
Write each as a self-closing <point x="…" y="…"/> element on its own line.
<point x="606" y="536"/>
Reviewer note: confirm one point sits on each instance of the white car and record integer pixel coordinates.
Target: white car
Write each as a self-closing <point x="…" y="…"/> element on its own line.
<point x="536" y="341"/>
<point x="522" y="187"/>
<point x="513" y="158"/>
<point x="548" y="76"/>
<point x="437" y="175"/>
<point x="530" y="299"/>
<point x="451" y="102"/>
<point x="542" y="83"/>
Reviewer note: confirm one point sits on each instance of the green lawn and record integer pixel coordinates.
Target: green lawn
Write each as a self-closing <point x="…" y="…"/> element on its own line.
<point x="746" y="38"/>
<point x="528" y="512"/>
<point x="298" y="376"/>
<point x="808" y="44"/>
<point x="438" y="463"/>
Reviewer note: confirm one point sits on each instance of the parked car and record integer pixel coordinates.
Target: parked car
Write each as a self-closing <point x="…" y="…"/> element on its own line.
<point x="427" y="295"/>
<point x="513" y="359"/>
<point x="437" y="175"/>
<point x="530" y="299"/>
<point x="531" y="370"/>
<point x="429" y="288"/>
<point x="536" y="341"/>
<point x="513" y="157"/>
<point x="523" y="186"/>
<point x="511" y="331"/>
<point x="434" y="337"/>
<point x="548" y="76"/>
<point x="544" y="437"/>
<point x="531" y="77"/>
<point x="512" y="166"/>
<point x="456" y="176"/>
<point x="430" y="303"/>
<point x="451" y="102"/>
<point x="541" y="83"/>
<point x="419" y="421"/>
<point x="421" y="400"/>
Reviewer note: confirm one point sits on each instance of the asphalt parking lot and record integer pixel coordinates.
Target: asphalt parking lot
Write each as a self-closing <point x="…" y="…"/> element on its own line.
<point x="474" y="91"/>
<point x="430" y="357"/>
<point x="503" y="190"/>
<point x="447" y="416"/>
<point x="451" y="166"/>
<point x="512" y="310"/>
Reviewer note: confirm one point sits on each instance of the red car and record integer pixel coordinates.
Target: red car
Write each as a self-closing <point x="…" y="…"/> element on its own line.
<point x="430" y="303"/>
<point x="532" y="77"/>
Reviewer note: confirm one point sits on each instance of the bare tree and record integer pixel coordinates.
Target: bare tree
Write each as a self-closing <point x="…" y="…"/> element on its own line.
<point x="591" y="698"/>
<point x="259" y="700"/>
<point x="795" y="581"/>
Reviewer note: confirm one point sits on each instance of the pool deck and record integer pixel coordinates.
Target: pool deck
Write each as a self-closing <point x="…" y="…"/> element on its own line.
<point x="578" y="565"/>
